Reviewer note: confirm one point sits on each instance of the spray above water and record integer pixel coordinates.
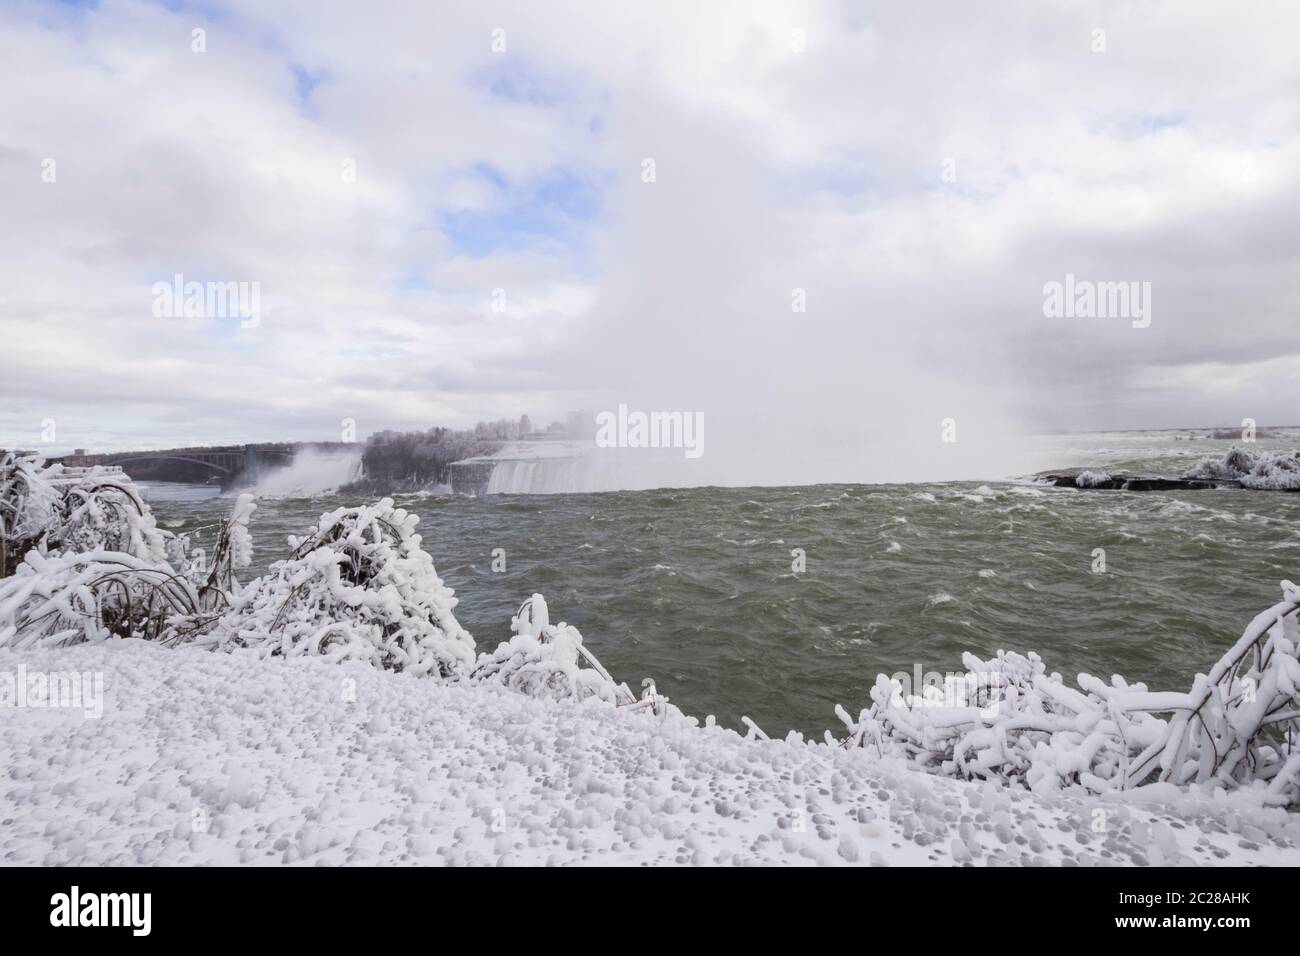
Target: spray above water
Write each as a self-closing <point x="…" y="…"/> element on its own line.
<point x="311" y="472"/>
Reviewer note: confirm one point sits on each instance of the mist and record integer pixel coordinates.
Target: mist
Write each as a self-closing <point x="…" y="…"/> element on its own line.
<point x="311" y="472"/>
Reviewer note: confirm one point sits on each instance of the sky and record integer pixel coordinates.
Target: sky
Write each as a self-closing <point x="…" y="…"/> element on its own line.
<point x="456" y="212"/>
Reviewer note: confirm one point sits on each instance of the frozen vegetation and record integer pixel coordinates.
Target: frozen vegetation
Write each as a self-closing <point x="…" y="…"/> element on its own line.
<point x="335" y="711"/>
<point x="1007" y="719"/>
<point x="358" y="586"/>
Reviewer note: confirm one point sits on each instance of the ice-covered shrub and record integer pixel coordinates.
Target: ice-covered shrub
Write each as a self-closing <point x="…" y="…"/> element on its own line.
<point x="1260" y="471"/>
<point x="359" y="586"/>
<point x="102" y="509"/>
<point x="1007" y="719"/>
<point x="95" y="565"/>
<point x="545" y="660"/>
<point x="53" y="508"/>
<point x="28" y="504"/>
<point x="232" y="550"/>
<point x="89" y="596"/>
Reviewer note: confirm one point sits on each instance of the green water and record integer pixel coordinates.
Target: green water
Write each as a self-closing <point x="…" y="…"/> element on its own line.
<point x="695" y="587"/>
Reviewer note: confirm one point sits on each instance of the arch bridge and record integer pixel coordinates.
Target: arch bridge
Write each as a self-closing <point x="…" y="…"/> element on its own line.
<point x="232" y="465"/>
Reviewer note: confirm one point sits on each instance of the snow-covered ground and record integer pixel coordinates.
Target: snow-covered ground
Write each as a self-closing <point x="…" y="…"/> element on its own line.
<point x="205" y="757"/>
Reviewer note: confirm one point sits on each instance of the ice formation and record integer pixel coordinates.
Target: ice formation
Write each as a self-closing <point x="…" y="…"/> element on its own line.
<point x="359" y="586"/>
<point x="1007" y="719"/>
<point x="90" y="596"/>
<point x="1091" y="479"/>
<point x="1261" y="471"/>
<point x="545" y="660"/>
<point x="76" y="509"/>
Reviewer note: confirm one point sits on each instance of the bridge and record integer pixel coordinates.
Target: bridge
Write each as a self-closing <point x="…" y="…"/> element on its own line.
<point x="231" y="465"/>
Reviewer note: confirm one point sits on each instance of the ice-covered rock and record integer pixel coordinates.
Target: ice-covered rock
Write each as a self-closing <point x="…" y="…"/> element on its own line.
<point x="1091" y="479"/>
<point x="1261" y="471"/>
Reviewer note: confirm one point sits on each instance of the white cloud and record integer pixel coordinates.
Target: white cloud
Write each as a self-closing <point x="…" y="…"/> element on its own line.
<point x="1170" y="158"/>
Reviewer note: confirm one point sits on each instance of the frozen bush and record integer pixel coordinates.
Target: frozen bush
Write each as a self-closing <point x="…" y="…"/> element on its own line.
<point x="545" y="660"/>
<point x="91" y="596"/>
<point x="72" y="509"/>
<point x="359" y="586"/>
<point x="1013" y="722"/>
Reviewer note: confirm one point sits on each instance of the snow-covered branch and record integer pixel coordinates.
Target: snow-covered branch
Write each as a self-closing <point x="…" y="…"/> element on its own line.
<point x="359" y="586"/>
<point x="1239" y="725"/>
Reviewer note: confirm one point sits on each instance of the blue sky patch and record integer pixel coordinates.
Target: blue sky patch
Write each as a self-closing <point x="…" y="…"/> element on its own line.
<point x="556" y="206"/>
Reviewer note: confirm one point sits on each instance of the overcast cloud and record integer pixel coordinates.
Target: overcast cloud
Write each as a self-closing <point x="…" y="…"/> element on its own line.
<point x="920" y="170"/>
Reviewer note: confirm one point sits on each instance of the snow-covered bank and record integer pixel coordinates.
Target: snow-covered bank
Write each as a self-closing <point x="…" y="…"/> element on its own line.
<point x="230" y="758"/>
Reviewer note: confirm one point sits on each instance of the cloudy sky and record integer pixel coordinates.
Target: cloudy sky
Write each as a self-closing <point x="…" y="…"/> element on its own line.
<point x="449" y="213"/>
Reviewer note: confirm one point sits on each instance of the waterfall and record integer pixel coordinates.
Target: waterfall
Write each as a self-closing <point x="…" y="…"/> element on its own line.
<point x="540" y="476"/>
<point x="587" y="470"/>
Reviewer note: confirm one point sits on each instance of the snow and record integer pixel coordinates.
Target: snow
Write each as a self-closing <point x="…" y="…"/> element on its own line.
<point x="237" y="758"/>
<point x="1260" y="471"/>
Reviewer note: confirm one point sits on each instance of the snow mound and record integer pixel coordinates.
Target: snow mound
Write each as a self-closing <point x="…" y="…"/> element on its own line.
<point x="1260" y="471"/>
